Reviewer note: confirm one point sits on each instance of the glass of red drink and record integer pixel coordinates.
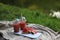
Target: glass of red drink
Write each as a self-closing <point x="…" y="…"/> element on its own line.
<point x="22" y="24"/>
<point x="16" y="27"/>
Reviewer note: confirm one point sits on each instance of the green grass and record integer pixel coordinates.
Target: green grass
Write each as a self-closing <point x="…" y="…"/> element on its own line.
<point x="8" y="12"/>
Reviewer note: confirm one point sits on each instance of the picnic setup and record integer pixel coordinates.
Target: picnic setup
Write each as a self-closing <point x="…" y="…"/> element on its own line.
<point x="29" y="19"/>
<point x="21" y="28"/>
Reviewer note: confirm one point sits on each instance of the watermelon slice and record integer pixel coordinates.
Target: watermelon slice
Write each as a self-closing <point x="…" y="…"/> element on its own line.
<point x="29" y="30"/>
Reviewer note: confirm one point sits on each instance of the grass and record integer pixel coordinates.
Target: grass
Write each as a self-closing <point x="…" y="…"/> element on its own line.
<point x="8" y="12"/>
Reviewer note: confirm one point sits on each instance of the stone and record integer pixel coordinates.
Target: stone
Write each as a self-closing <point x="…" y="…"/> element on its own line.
<point x="2" y="25"/>
<point x="47" y="33"/>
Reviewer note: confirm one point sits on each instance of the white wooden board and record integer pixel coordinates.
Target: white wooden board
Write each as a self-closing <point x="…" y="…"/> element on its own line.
<point x="29" y="35"/>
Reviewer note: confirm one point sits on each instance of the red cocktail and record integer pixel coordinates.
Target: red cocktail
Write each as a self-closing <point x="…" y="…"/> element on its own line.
<point x="22" y="24"/>
<point x="16" y="27"/>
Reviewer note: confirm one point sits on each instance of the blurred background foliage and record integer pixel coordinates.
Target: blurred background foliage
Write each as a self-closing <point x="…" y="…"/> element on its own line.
<point x="35" y="11"/>
<point x="45" y="4"/>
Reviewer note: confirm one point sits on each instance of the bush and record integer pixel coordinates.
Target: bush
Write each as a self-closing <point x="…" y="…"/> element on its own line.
<point x="8" y="12"/>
